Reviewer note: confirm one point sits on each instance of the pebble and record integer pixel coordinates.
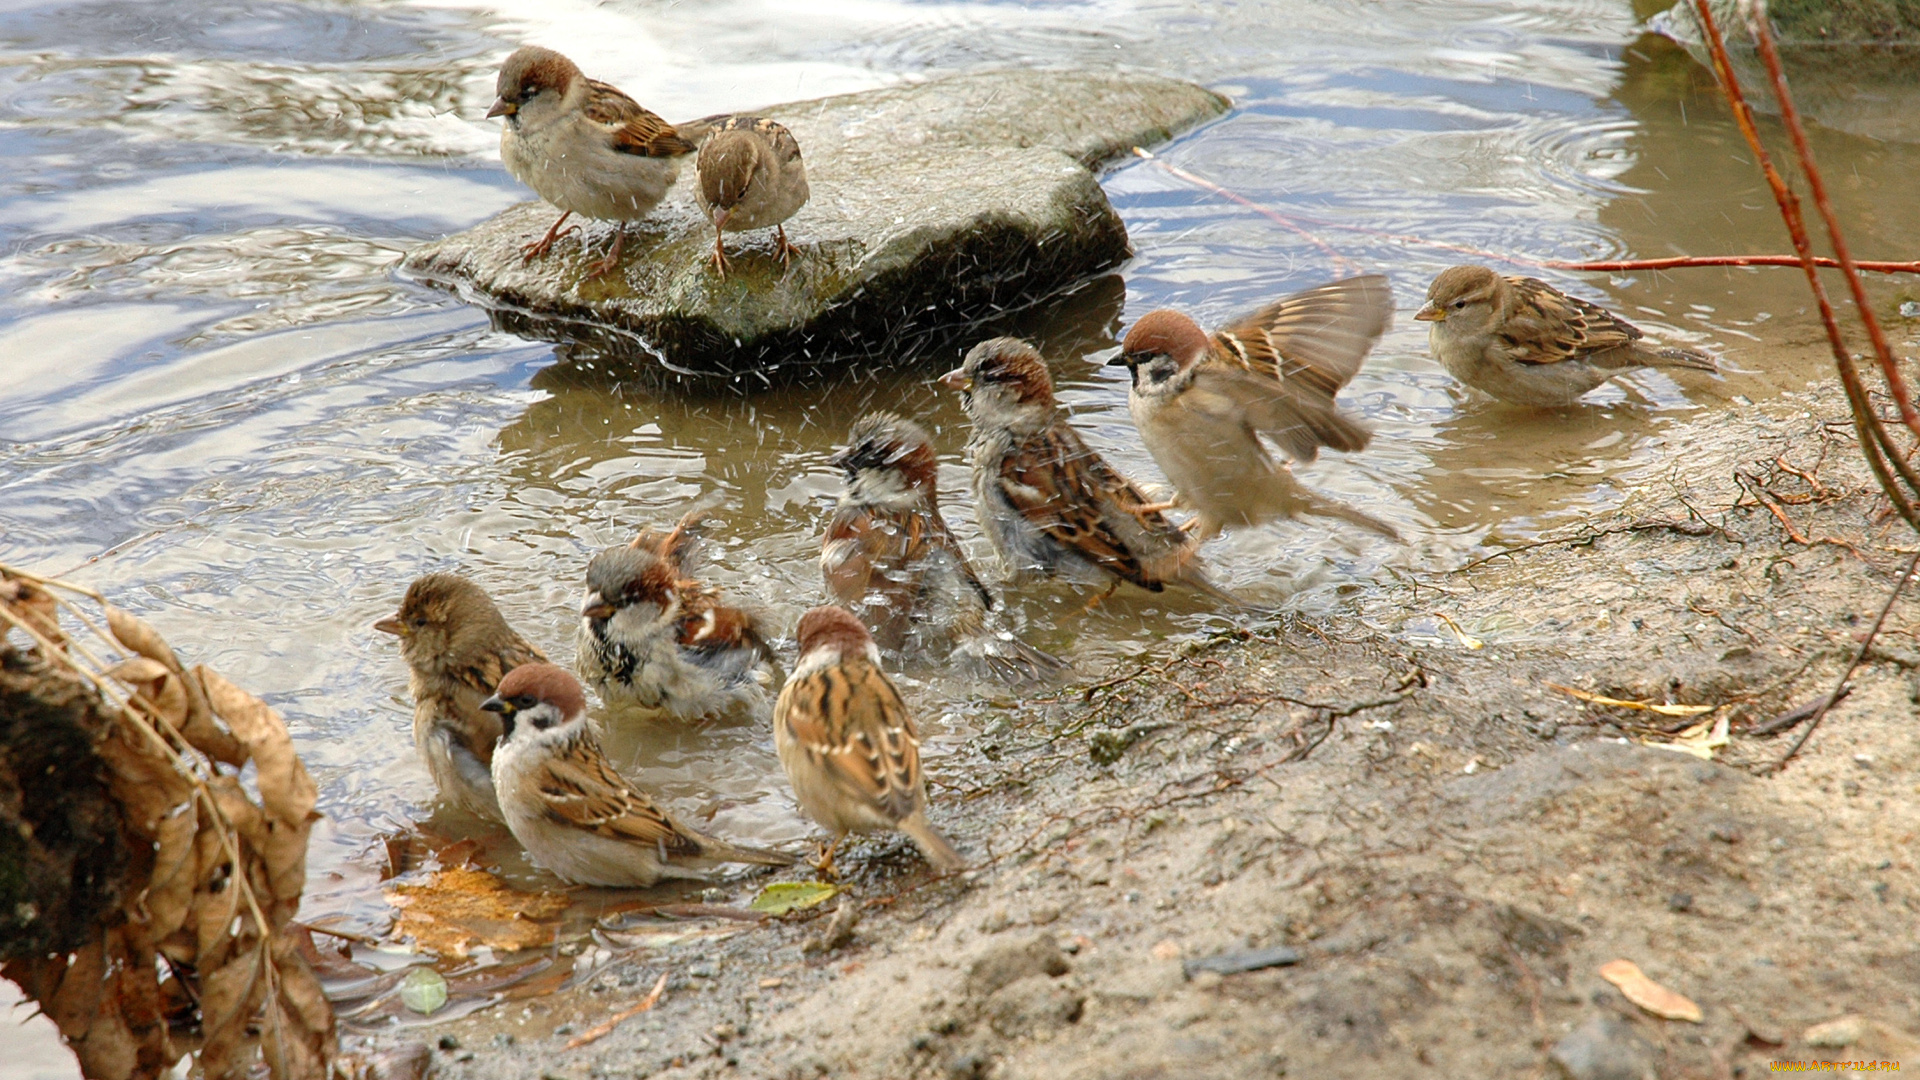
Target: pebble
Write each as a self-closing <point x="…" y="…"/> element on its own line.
<point x="1680" y="902"/>
<point x="1604" y="1048"/>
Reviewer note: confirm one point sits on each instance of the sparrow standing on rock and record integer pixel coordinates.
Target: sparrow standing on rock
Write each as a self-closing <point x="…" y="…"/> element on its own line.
<point x="1526" y="342"/>
<point x="653" y="638"/>
<point x="457" y="646"/>
<point x="584" y="146"/>
<point x="571" y="811"/>
<point x="751" y="176"/>
<point x="847" y="741"/>
<point x="1050" y="505"/>
<point x="889" y="556"/>
<point x="1202" y="401"/>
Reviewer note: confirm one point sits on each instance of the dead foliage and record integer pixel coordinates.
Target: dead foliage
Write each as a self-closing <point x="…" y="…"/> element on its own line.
<point x="198" y="957"/>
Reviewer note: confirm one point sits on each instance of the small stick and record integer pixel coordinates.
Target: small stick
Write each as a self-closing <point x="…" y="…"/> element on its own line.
<point x="1346" y="267"/>
<point x="605" y="1028"/>
<point x="1859" y="658"/>
<point x="1793" y="716"/>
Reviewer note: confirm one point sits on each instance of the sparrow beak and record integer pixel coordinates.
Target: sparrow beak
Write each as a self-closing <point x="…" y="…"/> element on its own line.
<point x="502" y="107"/>
<point x="389" y="625"/>
<point x="1126" y="360"/>
<point x="957" y="378"/>
<point x="498" y="704"/>
<point x="1430" y="313"/>
<point x="596" y="608"/>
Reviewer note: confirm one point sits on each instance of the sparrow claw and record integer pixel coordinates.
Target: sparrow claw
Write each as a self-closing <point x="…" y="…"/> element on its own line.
<point x="602" y="267"/>
<point x="719" y="259"/>
<point x="784" y="247"/>
<point x="539" y="248"/>
<point x="823" y="862"/>
<point x="1112" y="587"/>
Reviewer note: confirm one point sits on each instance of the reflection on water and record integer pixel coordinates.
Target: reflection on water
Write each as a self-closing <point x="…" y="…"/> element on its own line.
<point x="212" y="372"/>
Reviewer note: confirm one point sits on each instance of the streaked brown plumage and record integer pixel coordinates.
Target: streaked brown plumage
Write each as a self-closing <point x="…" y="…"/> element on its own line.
<point x="458" y="647"/>
<point x="1050" y="505"/>
<point x="573" y="813"/>
<point x="847" y="741"/>
<point x="1524" y="341"/>
<point x="1202" y="402"/>
<point x="751" y="177"/>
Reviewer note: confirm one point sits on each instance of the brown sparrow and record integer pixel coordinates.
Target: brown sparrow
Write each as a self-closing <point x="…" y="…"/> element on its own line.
<point x="889" y="556"/>
<point x="751" y="176"/>
<point x="1202" y="401"/>
<point x="1524" y="341"/>
<point x="583" y="146"/>
<point x="570" y="810"/>
<point x="847" y="741"/>
<point x="457" y="646"/>
<point x="655" y="639"/>
<point x="1049" y="504"/>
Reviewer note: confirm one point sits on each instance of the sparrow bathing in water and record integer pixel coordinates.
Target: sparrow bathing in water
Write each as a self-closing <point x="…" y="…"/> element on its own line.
<point x="751" y="176"/>
<point x="655" y="639"/>
<point x="584" y="146"/>
<point x="847" y="741"/>
<point x="571" y="811"/>
<point x="1203" y="401"/>
<point x="889" y="557"/>
<point x="1526" y="342"/>
<point x="458" y="647"/>
<point x="1049" y="504"/>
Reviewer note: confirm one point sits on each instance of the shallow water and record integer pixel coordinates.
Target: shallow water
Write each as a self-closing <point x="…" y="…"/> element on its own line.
<point x="219" y="403"/>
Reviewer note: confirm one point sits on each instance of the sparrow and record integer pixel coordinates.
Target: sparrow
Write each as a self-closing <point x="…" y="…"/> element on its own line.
<point x="584" y="146"/>
<point x="571" y="811"/>
<point x="888" y="556"/>
<point x="751" y="176"/>
<point x="1051" y="506"/>
<point x="653" y="638"/>
<point x="848" y="742"/>
<point x="1526" y="342"/>
<point x="458" y="647"/>
<point x="1203" y="401"/>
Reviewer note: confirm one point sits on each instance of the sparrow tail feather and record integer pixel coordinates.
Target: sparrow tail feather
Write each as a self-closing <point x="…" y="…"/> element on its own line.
<point x="938" y="852"/>
<point x="722" y="851"/>
<point x="1008" y="660"/>
<point x="1675" y="357"/>
<point x="1321" y="506"/>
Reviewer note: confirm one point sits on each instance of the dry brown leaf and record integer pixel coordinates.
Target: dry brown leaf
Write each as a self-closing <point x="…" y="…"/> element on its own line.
<point x="1645" y="706"/>
<point x="34" y="606"/>
<point x="230" y="995"/>
<point x="456" y="909"/>
<point x="73" y="1004"/>
<point x="286" y="790"/>
<point x="1647" y="994"/>
<point x="136" y="634"/>
<point x="175" y="866"/>
<point x="139" y="671"/>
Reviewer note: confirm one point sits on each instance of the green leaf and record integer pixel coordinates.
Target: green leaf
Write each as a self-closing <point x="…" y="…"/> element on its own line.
<point x="424" y="990"/>
<point x="784" y="896"/>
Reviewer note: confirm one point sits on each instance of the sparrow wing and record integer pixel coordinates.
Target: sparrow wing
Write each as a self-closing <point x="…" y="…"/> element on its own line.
<point x="1547" y="326"/>
<point x="853" y="727"/>
<point x="475" y="681"/>
<point x="1064" y="489"/>
<point x="577" y="787"/>
<point x="1286" y="363"/>
<point x="632" y="128"/>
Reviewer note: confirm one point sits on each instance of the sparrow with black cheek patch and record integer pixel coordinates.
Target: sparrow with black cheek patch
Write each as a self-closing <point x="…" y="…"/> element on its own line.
<point x="848" y="742"/>
<point x="1524" y="341"/>
<point x="457" y="646"/>
<point x="584" y="146"/>
<point x="889" y="557"/>
<point x="751" y="176"/>
<point x="571" y="811"/>
<point x="1203" y="401"/>
<point x="655" y="639"/>
<point x="1049" y="504"/>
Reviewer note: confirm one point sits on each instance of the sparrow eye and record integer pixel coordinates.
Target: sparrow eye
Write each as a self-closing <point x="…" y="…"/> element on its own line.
<point x="1458" y="305"/>
<point x="417" y="623"/>
<point x="528" y="93"/>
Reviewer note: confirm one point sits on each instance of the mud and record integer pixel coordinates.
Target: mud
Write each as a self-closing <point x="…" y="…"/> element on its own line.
<point x="1451" y="846"/>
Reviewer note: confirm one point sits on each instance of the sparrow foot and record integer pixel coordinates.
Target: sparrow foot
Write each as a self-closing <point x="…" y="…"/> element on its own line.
<point x="783" y="247"/>
<point x="719" y="259"/>
<point x="540" y="247"/>
<point x="823" y="862"/>
<point x="602" y="267"/>
<point x="1102" y="598"/>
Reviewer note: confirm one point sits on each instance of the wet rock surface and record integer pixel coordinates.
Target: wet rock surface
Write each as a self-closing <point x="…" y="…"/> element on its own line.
<point x="934" y="206"/>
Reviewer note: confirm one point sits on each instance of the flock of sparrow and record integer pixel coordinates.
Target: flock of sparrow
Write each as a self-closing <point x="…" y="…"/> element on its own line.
<point x="506" y="735"/>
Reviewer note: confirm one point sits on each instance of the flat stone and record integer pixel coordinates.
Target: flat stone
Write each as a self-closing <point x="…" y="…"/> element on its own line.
<point x="934" y="206"/>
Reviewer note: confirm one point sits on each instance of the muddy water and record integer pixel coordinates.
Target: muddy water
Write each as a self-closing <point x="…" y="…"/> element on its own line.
<point x="219" y="402"/>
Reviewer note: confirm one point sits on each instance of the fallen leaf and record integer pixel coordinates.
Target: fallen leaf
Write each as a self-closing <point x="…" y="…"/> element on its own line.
<point x="784" y="896"/>
<point x="1700" y="740"/>
<point x="454" y="910"/>
<point x="1647" y="994"/>
<point x="424" y="990"/>
<point x="1652" y="707"/>
<point x="286" y="791"/>
<point x="1870" y="1035"/>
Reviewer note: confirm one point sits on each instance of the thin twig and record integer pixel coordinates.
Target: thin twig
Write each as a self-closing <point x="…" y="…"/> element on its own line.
<point x="605" y="1028"/>
<point x="1859" y="658"/>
